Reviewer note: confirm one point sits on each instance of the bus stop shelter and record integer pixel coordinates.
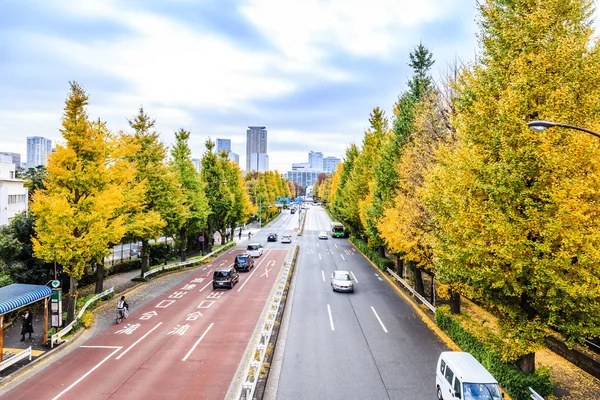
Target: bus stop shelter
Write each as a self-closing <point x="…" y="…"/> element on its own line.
<point x="19" y="295"/>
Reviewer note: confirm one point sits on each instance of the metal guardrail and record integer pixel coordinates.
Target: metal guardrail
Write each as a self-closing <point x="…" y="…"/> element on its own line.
<point x="57" y="337"/>
<point x="534" y="395"/>
<point x="179" y="264"/>
<point x="413" y="291"/>
<point x="252" y="370"/>
<point x="16" y="358"/>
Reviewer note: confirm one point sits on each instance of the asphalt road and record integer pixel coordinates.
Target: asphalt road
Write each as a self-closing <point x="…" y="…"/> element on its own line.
<point x="369" y="344"/>
<point x="184" y="344"/>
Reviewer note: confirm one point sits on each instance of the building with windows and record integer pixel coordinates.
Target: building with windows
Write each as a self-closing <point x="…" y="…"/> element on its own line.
<point x="304" y="177"/>
<point x="256" y="143"/>
<point x="15" y="157"/>
<point x="13" y="195"/>
<point x="223" y="145"/>
<point x="300" y="166"/>
<point x="259" y="162"/>
<point x="315" y="159"/>
<point x="235" y="157"/>
<point x="196" y="162"/>
<point x="38" y="149"/>
<point x="330" y="164"/>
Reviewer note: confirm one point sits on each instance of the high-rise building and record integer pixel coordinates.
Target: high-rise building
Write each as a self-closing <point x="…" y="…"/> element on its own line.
<point x="38" y="149"/>
<point x="196" y="162"/>
<point x="259" y="162"/>
<point x="330" y="164"/>
<point x="223" y="145"/>
<point x="315" y="159"/>
<point x="256" y="142"/>
<point x="235" y="157"/>
<point x="15" y="158"/>
<point x="305" y="178"/>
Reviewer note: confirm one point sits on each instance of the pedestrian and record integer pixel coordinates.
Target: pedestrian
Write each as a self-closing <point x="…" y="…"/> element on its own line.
<point x="240" y="235"/>
<point x="27" y="325"/>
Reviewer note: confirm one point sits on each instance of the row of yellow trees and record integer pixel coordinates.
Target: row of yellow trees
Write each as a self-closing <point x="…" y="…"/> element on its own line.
<point x="102" y="188"/>
<point x="457" y="184"/>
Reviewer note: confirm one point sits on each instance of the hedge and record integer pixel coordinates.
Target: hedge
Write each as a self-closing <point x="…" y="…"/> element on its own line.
<point x="510" y="377"/>
<point x="383" y="263"/>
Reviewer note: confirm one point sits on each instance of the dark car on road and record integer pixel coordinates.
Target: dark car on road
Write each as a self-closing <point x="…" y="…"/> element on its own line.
<point x="243" y="262"/>
<point x="272" y="237"/>
<point x="225" y="277"/>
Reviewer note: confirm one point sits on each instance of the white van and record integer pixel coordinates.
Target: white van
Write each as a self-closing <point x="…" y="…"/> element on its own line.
<point x="460" y="376"/>
<point x="254" y="249"/>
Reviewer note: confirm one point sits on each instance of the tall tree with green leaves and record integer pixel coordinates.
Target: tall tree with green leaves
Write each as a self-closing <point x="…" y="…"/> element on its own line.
<point x="80" y="212"/>
<point x="517" y="209"/>
<point x="192" y="186"/>
<point x="242" y="205"/>
<point x="160" y="207"/>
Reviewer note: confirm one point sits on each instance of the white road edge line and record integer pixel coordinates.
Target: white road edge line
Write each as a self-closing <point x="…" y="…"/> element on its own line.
<point x="354" y="276"/>
<point x="101" y="347"/>
<point x="256" y="269"/>
<point x="197" y="342"/>
<point x="137" y="341"/>
<point x="323" y="274"/>
<point x="379" y="319"/>
<point x="330" y="317"/>
<point x="117" y="348"/>
<point x="341" y="255"/>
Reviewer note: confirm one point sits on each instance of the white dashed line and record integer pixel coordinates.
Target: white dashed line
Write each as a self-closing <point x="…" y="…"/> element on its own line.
<point x="352" y="273"/>
<point x="323" y="274"/>
<point x="320" y="256"/>
<point x="379" y="319"/>
<point x="330" y="317"/>
<point x="341" y="255"/>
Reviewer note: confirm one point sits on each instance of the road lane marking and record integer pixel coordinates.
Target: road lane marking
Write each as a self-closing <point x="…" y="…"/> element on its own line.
<point x="320" y="256"/>
<point x="102" y="347"/>
<point x="379" y="319"/>
<point x="256" y="269"/>
<point x="197" y="342"/>
<point x="116" y="349"/>
<point x="330" y="317"/>
<point x="352" y="273"/>
<point x="323" y="274"/>
<point x="137" y="341"/>
<point x="205" y="286"/>
<point x="335" y="244"/>
<point x="317" y="244"/>
<point x="341" y="255"/>
<point x="266" y="273"/>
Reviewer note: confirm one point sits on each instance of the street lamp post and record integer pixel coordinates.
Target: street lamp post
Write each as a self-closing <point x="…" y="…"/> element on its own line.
<point x="539" y="126"/>
<point x="260" y="213"/>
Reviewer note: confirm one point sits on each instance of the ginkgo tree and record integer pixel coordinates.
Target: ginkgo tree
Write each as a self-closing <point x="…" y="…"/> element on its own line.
<point x="80" y="211"/>
<point x="518" y="210"/>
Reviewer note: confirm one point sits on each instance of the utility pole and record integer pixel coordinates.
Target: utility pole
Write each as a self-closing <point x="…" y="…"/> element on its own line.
<point x="260" y="213"/>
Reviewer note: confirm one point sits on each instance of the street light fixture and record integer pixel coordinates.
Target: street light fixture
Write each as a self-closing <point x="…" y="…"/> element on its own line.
<point x="539" y="126"/>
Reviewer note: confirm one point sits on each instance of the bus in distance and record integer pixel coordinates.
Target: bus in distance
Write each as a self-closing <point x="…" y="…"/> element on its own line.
<point x="337" y="230"/>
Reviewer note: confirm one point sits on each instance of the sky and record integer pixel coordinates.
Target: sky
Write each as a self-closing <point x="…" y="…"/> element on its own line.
<point x="310" y="71"/>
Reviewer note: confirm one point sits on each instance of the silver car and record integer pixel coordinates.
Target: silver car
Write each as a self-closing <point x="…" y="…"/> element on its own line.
<point x="286" y="239"/>
<point x="341" y="281"/>
<point x="323" y="235"/>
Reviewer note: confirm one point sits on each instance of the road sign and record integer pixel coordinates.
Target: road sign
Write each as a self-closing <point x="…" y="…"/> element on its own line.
<point x="201" y="238"/>
<point x="55" y="284"/>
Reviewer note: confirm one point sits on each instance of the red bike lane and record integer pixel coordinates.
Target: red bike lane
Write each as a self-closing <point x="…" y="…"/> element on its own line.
<point x="184" y="344"/>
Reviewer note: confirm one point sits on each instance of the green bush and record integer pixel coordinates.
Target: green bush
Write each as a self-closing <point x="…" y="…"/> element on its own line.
<point x="159" y="252"/>
<point x="5" y="279"/>
<point x="383" y="263"/>
<point x="510" y="377"/>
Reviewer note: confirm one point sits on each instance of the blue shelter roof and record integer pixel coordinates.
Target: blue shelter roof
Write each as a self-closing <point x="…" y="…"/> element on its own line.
<point x="18" y="295"/>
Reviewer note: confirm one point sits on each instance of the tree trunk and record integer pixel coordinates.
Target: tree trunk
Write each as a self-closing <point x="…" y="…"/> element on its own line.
<point x="71" y="299"/>
<point x="381" y="251"/>
<point x="208" y="239"/>
<point x="182" y="243"/>
<point x="400" y="266"/>
<point x="145" y="255"/>
<point x="100" y="277"/>
<point x="418" y="279"/>
<point x="527" y="363"/>
<point x="454" y="302"/>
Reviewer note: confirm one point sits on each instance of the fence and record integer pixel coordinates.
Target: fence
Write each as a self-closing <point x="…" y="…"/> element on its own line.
<point x="56" y="338"/>
<point x="252" y="370"/>
<point x="179" y="264"/>
<point x="16" y="358"/>
<point x="534" y="395"/>
<point x="413" y="291"/>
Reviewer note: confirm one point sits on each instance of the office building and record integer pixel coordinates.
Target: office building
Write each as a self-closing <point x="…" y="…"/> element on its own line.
<point x="300" y="166"/>
<point x="13" y="195"/>
<point x="305" y="178"/>
<point x="38" y="149"/>
<point x="315" y="159"/>
<point x="235" y="157"/>
<point x="196" y="162"/>
<point x="15" y="158"/>
<point x="330" y="164"/>
<point x="256" y="143"/>
<point x="223" y="145"/>
<point x="259" y="162"/>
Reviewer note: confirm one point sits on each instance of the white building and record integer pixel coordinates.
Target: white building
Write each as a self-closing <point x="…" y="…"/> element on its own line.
<point x="234" y="157"/>
<point x="196" y="162"/>
<point x="256" y="142"/>
<point x="330" y="164"/>
<point x="259" y="162"/>
<point x="13" y="195"/>
<point x="315" y="159"/>
<point x="300" y="166"/>
<point x="38" y="150"/>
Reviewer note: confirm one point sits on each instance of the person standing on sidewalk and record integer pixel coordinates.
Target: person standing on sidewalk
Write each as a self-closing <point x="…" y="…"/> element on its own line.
<point x="240" y="235"/>
<point x="27" y="325"/>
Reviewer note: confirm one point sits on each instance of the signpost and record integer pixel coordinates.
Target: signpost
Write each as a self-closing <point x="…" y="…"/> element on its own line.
<point x="56" y="305"/>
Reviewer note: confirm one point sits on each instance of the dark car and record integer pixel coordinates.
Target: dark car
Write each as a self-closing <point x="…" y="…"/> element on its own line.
<point x="243" y="262"/>
<point x="272" y="237"/>
<point x="225" y="277"/>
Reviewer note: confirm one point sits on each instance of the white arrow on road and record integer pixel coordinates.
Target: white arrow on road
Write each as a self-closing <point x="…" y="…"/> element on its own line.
<point x="149" y="315"/>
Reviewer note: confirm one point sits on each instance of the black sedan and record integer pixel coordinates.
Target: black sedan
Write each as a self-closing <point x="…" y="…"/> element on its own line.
<point x="272" y="237"/>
